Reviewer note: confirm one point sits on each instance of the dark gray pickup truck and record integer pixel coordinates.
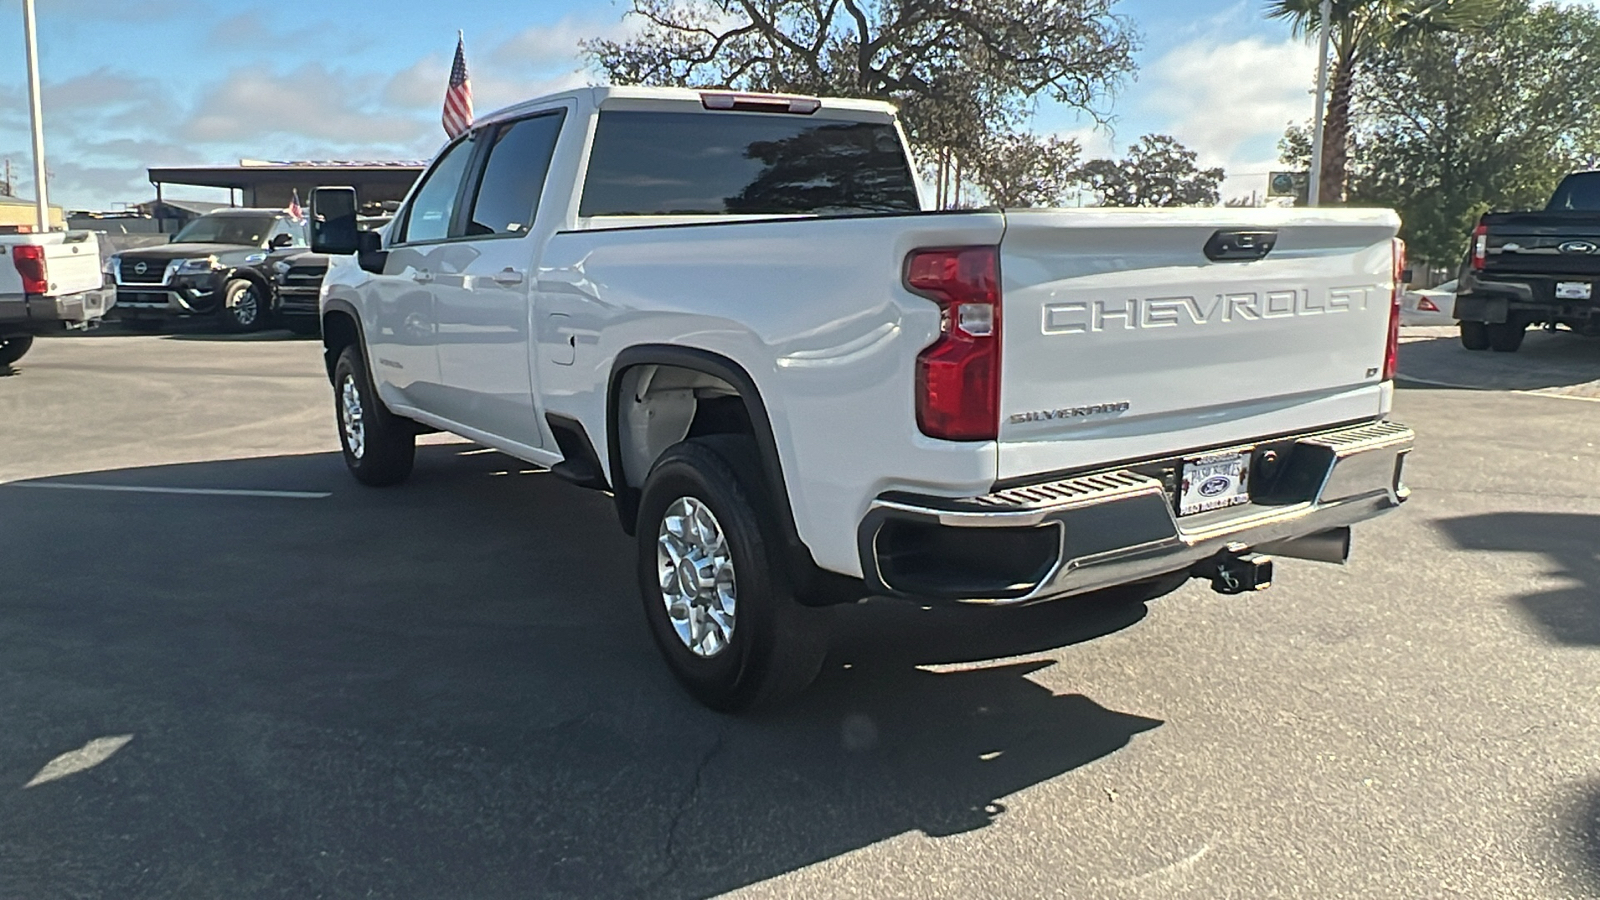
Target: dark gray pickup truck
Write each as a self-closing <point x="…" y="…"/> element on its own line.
<point x="1534" y="268"/>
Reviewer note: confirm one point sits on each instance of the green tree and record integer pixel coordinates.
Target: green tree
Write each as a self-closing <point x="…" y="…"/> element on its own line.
<point x="1472" y="121"/>
<point x="1022" y="169"/>
<point x="963" y="72"/>
<point x="1361" y="30"/>
<point x="1158" y="171"/>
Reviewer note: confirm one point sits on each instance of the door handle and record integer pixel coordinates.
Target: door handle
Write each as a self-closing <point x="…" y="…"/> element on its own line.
<point x="422" y="276"/>
<point x="508" y="276"/>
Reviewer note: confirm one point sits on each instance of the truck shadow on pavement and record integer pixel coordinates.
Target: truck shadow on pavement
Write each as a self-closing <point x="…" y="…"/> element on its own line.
<point x="1568" y="615"/>
<point x="1545" y="361"/>
<point x="447" y="689"/>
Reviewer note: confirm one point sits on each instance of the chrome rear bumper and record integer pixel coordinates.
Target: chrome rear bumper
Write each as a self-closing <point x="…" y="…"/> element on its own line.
<point x="1099" y="530"/>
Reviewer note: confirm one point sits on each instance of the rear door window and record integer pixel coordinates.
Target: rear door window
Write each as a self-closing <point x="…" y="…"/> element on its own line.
<point x="507" y="196"/>
<point x="663" y="164"/>
<point x="434" y="206"/>
<point x="1580" y="193"/>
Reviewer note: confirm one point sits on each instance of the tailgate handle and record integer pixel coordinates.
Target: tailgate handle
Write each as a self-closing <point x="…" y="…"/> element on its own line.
<point x="1239" y="246"/>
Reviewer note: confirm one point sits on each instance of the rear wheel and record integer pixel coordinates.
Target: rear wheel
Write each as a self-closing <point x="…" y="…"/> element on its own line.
<point x="1507" y="337"/>
<point x="379" y="446"/>
<point x="1475" y="335"/>
<point x="244" y="306"/>
<point x="14" y="347"/>
<point x="716" y="593"/>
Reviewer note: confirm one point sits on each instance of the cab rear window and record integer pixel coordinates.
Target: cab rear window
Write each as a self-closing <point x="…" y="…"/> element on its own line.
<point x="664" y="164"/>
<point x="1579" y="192"/>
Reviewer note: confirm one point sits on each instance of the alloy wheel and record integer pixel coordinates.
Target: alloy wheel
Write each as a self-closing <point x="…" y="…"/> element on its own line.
<point x="696" y="577"/>
<point x="351" y="416"/>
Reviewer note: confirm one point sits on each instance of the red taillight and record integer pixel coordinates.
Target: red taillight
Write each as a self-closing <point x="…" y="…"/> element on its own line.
<point x="1480" y="247"/>
<point x="958" y="377"/>
<point x="29" y="260"/>
<point x="1391" y="353"/>
<point x="1426" y="305"/>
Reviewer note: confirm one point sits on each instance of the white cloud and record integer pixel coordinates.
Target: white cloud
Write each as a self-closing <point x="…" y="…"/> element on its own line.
<point x="251" y="104"/>
<point x="1226" y="99"/>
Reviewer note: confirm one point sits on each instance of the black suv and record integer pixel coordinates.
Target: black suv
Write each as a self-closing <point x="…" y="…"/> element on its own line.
<point x="216" y="267"/>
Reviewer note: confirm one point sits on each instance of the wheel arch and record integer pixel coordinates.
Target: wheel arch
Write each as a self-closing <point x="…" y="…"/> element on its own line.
<point x="341" y="327"/>
<point x="812" y="583"/>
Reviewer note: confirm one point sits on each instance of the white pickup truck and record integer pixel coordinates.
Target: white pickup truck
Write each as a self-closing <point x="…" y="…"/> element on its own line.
<point x="49" y="282"/>
<point x="736" y="314"/>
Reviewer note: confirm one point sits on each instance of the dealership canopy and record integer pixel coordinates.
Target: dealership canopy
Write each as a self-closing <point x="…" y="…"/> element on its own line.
<point x="272" y="183"/>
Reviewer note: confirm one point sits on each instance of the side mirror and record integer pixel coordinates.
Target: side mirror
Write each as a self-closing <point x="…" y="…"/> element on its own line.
<point x="1408" y="276"/>
<point x="333" y="220"/>
<point x="281" y="241"/>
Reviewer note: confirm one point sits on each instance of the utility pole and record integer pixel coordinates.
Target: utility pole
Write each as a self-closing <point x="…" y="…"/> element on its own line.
<point x="30" y="36"/>
<point x="1315" y="195"/>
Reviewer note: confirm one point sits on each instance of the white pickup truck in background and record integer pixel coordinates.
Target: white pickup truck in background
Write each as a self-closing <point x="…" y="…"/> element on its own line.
<point x="49" y="282"/>
<point x="733" y="313"/>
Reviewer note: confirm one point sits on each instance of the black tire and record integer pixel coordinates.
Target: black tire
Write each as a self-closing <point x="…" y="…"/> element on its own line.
<point x="244" y="306"/>
<point x="776" y="646"/>
<point x="14" y="347"/>
<point x="1475" y="335"/>
<point x="1507" y="337"/>
<point x="381" y="447"/>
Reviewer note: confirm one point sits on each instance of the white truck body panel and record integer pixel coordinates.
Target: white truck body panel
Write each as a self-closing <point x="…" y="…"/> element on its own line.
<point x="1121" y="309"/>
<point x="72" y="262"/>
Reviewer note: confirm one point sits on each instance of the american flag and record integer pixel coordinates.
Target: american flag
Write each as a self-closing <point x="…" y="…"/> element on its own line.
<point x="458" y="96"/>
<point x="294" y="210"/>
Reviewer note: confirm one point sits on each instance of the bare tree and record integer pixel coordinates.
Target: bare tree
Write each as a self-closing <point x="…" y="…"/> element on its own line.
<point x="962" y="71"/>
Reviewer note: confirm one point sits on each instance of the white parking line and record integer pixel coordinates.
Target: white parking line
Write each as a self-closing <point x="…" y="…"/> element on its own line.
<point x="136" y="489"/>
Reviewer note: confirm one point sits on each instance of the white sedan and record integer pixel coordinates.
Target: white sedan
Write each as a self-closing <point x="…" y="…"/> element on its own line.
<point x="1434" y="306"/>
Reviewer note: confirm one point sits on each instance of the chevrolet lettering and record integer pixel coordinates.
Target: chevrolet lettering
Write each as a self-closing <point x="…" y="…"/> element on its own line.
<point x="1097" y="315"/>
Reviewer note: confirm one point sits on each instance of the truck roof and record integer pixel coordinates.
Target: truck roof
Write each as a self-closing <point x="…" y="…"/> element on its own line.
<point x="668" y="97"/>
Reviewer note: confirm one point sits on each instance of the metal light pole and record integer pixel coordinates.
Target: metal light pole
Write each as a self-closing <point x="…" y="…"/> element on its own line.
<point x="39" y="189"/>
<point x="1314" y="197"/>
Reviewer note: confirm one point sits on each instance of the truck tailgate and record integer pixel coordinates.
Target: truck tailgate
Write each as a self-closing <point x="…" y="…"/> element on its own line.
<point x="72" y="265"/>
<point x="1122" y="340"/>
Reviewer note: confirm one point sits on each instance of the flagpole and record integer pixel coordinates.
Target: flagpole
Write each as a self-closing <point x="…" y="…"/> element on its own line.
<point x="40" y="188"/>
<point x="1314" y="197"/>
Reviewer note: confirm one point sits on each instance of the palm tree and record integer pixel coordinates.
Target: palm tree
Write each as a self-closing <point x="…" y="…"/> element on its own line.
<point x="1361" y="27"/>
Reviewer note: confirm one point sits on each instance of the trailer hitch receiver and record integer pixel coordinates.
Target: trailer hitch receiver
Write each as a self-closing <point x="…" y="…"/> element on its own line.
<point x="1236" y="572"/>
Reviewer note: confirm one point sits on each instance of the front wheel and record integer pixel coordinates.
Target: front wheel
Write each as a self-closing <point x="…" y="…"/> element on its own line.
<point x="244" y="306"/>
<point x="1475" y="335"/>
<point x="379" y="446"/>
<point x="14" y="347"/>
<point x="716" y="593"/>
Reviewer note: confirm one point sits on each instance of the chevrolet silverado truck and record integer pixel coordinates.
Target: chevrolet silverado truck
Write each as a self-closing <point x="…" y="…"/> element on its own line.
<point x="215" y="268"/>
<point x="1533" y="268"/>
<point x="801" y="386"/>
<point x="50" y="282"/>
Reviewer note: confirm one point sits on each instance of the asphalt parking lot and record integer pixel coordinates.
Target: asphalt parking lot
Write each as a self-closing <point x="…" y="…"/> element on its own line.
<point x="280" y="683"/>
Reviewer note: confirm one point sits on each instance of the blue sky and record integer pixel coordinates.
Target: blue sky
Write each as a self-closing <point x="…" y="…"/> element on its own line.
<point x="136" y="83"/>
